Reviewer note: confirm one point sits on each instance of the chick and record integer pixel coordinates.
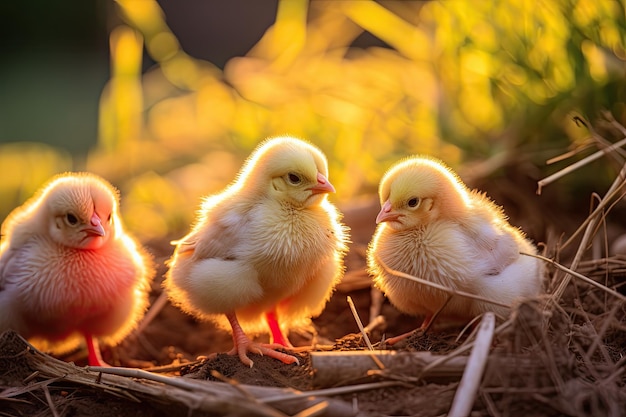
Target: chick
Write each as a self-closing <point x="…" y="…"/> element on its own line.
<point x="269" y="247"/>
<point x="69" y="270"/>
<point x="433" y="227"/>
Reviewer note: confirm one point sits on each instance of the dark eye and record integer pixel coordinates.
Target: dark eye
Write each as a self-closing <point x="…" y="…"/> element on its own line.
<point x="109" y="218"/>
<point x="413" y="202"/>
<point x="71" y="219"/>
<point x="294" y="178"/>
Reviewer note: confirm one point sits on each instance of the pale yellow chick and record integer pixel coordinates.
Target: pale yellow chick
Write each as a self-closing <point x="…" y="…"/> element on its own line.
<point x="433" y="227"/>
<point x="69" y="270"/>
<point x="269" y="247"/>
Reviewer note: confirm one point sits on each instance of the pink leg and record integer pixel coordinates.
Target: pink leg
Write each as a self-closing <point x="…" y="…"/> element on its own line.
<point x="243" y="345"/>
<point x="93" y="349"/>
<point x="423" y="328"/>
<point x="276" y="332"/>
<point x="428" y="321"/>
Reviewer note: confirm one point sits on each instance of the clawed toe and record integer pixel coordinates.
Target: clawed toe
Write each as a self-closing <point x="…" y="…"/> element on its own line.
<point x="262" y="349"/>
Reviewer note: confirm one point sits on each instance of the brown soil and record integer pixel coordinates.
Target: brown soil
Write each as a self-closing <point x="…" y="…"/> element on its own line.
<point x="576" y="350"/>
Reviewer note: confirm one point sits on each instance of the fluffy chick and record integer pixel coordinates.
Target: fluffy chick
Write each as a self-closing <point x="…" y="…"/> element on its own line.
<point x="433" y="227"/>
<point x="69" y="270"/>
<point x="270" y="246"/>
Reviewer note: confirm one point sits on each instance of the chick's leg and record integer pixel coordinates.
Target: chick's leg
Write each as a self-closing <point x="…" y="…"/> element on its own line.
<point x="309" y="301"/>
<point x="93" y="351"/>
<point x="276" y="333"/>
<point x="243" y="345"/>
<point x="423" y="328"/>
<point x="428" y="321"/>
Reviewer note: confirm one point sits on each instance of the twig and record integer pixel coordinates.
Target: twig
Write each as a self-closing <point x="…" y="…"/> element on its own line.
<point x="53" y="409"/>
<point x="467" y="326"/>
<point x="609" y="116"/>
<point x="378" y="320"/>
<point x="141" y="374"/>
<point x="619" y="181"/>
<point x="619" y="369"/>
<point x="599" y="210"/>
<point x="491" y="406"/>
<point x="600" y="334"/>
<point x="314" y="410"/>
<point x="578" y="164"/>
<point x="577" y="275"/>
<point x="172" y="367"/>
<point x="436" y="314"/>
<point x="11" y="392"/>
<point x="329" y="392"/>
<point x="31" y="377"/>
<point x="359" y="324"/>
<point x="606" y="263"/>
<point x="468" y="387"/>
<point x="233" y="383"/>
<point x="569" y="154"/>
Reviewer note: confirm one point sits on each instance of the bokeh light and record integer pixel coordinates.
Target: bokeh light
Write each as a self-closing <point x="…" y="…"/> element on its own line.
<point x="462" y="81"/>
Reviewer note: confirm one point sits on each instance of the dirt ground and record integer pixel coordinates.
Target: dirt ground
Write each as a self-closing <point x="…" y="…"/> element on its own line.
<point x="576" y="347"/>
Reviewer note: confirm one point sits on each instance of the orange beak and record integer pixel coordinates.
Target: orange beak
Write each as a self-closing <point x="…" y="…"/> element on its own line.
<point x="386" y="213"/>
<point x="323" y="185"/>
<point x="95" y="227"/>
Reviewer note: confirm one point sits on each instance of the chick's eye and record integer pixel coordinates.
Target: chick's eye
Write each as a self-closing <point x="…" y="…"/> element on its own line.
<point x="294" y="178"/>
<point x="71" y="219"/>
<point x="109" y="218"/>
<point x="413" y="202"/>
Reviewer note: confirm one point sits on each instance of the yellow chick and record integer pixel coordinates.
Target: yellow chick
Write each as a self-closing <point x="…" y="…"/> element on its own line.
<point x="433" y="227"/>
<point x="270" y="246"/>
<point x="68" y="269"/>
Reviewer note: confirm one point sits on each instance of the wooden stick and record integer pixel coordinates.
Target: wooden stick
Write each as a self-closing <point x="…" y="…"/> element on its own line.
<point x="345" y="367"/>
<point x="333" y="369"/>
<point x="359" y="323"/>
<point x="468" y="387"/>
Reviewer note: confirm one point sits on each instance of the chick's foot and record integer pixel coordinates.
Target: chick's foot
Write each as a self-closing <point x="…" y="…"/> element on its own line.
<point x="243" y="345"/>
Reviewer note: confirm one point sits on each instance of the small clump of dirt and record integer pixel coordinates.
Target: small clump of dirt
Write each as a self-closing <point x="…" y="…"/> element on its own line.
<point x="266" y="371"/>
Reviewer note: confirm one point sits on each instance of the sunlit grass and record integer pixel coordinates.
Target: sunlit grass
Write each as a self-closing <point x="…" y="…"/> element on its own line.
<point x="460" y="81"/>
<point x="24" y="167"/>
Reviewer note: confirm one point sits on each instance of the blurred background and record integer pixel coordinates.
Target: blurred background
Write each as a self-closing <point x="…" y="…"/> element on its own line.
<point x="166" y="98"/>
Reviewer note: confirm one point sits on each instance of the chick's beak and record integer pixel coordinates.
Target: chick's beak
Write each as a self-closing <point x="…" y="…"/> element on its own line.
<point x="322" y="186"/>
<point x="95" y="226"/>
<point x="386" y="213"/>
